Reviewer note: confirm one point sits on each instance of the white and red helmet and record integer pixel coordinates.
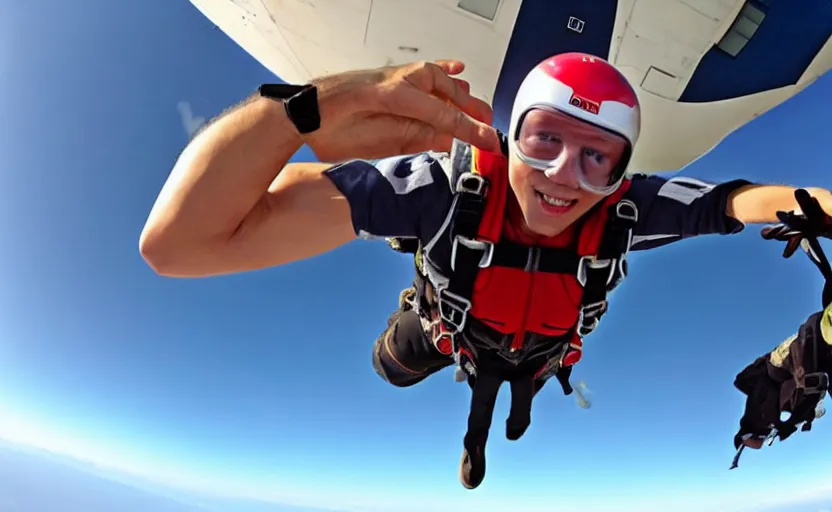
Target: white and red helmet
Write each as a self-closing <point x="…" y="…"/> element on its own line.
<point x="585" y="87"/>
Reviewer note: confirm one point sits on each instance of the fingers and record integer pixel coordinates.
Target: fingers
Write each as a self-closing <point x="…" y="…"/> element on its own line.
<point x="448" y="120"/>
<point x="426" y="92"/>
<point x="478" y="109"/>
<point x="467" y="119"/>
<point x="457" y="91"/>
<point x="435" y="79"/>
<point x="463" y="84"/>
<point x="451" y="66"/>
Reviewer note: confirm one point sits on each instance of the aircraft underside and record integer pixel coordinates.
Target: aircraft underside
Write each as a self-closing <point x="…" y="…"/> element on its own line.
<point x="702" y="68"/>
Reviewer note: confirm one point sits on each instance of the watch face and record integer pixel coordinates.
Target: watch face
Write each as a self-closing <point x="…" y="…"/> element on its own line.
<point x="302" y="109"/>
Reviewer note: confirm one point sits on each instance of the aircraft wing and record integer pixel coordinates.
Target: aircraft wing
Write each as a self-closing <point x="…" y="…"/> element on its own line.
<point x="702" y="68"/>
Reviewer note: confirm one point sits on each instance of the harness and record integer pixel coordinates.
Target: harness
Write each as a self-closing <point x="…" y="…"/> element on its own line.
<point x="469" y="241"/>
<point x="447" y="272"/>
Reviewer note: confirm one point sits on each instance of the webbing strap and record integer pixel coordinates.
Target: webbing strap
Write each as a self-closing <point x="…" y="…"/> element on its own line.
<point x="596" y="274"/>
<point x="538" y="259"/>
<point x="467" y="253"/>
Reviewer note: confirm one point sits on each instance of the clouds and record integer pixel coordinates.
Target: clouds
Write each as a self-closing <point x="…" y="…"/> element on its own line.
<point x="189" y="122"/>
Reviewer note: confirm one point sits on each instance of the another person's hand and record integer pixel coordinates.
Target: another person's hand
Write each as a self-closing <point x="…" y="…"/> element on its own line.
<point x="398" y="110"/>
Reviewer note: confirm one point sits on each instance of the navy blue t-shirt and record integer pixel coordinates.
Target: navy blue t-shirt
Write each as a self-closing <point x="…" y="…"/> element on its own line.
<point x="410" y="196"/>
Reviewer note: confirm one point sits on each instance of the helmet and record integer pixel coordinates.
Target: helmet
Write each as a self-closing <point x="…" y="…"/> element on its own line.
<point x="585" y="87"/>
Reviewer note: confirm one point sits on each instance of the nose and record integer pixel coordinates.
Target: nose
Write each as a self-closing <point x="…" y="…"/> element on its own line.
<point x="565" y="170"/>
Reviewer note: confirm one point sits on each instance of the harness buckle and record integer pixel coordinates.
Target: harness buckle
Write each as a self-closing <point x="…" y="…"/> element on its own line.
<point x="487" y="249"/>
<point x="815" y="383"/>
<point x="471" y="183"/>
<point x="587" y="262"/>
<point x="593" y="312"/>
<point x="621" y="210"/>
<point x="453" y="309"/>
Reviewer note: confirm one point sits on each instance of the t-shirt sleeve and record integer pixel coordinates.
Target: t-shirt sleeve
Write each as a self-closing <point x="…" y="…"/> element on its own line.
<point x="677" y="208"/>
<point x="404" y="197"/>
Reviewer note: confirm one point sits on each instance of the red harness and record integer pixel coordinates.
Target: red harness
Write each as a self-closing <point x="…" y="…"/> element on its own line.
<point x="549" y="293"/>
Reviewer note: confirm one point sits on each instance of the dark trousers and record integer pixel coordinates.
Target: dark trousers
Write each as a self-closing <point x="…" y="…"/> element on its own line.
<point x="403" y="355"/>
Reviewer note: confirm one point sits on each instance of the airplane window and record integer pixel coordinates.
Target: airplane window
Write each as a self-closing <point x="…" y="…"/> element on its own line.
<point x="741" y="30"/>
<point x="484" y="8"/>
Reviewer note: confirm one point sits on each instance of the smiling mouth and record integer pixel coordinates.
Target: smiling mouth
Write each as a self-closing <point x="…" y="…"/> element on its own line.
<point x="555" y="201"/>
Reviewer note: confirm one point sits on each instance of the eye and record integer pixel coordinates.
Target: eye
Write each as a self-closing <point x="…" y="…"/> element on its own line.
<point x="595" y="155"/>
<point x="546" y="137"/>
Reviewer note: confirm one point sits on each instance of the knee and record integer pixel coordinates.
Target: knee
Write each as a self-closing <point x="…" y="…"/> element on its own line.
<point x="387" y="369"/>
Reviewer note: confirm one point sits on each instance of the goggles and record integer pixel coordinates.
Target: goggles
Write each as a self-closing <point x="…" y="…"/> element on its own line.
<point x="540" y="142"/>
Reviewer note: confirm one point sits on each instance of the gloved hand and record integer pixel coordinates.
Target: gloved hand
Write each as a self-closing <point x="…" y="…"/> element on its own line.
<point x="794" y="227"/>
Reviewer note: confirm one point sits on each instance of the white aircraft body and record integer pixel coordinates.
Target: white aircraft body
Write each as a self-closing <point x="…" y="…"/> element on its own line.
<point x="702" y="68"/>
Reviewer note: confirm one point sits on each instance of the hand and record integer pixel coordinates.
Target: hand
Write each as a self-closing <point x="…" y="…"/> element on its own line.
<point x="814" y="221"/>
<point x="398" y="110"/>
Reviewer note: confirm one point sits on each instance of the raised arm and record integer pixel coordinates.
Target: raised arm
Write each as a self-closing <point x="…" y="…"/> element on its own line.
<point x="233" y="204"/>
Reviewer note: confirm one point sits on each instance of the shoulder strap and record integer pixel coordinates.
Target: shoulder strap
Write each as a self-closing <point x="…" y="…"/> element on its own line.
<point x="459" y="162"/>
<point x="600" y="274"/>
<point x="468" y="254"/>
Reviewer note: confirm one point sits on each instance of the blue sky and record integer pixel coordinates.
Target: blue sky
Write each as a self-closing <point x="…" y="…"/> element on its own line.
<point x="259" y="385"/>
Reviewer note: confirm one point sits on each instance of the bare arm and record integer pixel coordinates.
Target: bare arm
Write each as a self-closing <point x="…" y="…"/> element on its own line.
<point x="232" y="204"/>
<point x="755" y="204"/>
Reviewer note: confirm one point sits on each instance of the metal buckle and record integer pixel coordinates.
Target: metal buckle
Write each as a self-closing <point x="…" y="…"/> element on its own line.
<point x="622" y="267"/>
<point x="633" y="216"/>
<point x="464" y="367"/>
<point x="819" y="383"/>
<point x="594" y="263"/>
<point x="471" y="183"/>
<point x="477" y="245"/>
<point x="456" y="304"/>
<point x="592" y="311"/>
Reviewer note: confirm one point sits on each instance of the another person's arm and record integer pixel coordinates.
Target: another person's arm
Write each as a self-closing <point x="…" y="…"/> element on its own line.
<point x="233" y="204"/>
<point x="677" y="208"/>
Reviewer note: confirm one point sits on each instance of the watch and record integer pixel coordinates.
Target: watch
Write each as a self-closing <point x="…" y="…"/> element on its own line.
<point x="300" y="102"/>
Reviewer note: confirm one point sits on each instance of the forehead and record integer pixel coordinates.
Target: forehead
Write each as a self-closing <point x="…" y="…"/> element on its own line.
<point x="550" y="118"/>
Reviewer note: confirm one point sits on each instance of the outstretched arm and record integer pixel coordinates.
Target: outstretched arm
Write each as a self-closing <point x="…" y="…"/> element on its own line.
<point x="681" y="207"/>
<point x="754" y="204"/>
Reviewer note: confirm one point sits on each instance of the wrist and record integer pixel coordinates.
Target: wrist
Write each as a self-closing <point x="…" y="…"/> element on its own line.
<point x="823" y="196"/>
<point x="281" y="122"/>
<point x="300" y="103"/>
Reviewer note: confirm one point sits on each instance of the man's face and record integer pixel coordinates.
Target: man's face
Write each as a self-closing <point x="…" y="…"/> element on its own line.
<point x="553" y="199"/>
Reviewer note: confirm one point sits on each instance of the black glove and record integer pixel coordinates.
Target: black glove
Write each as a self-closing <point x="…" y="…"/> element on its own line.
<point x="814" y="222"/>
<point x="805" y="229"/>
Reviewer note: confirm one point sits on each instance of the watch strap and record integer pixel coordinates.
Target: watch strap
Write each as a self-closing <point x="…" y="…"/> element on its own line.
<point x="300" y="103"/>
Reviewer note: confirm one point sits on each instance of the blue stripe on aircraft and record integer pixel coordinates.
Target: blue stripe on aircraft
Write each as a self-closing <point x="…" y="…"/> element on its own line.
<point x="541" y="31"/>
<point x="778" y="53"/>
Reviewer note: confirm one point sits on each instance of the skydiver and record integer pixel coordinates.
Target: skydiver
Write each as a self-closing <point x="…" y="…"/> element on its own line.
<point x="543" y="216"/>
